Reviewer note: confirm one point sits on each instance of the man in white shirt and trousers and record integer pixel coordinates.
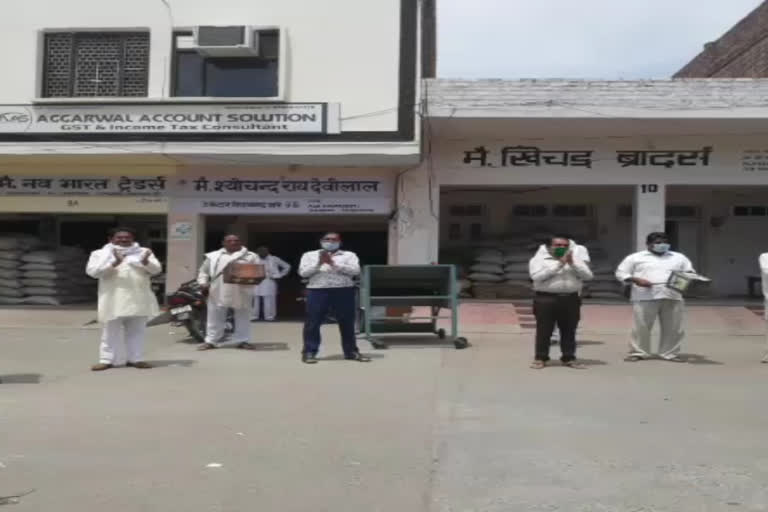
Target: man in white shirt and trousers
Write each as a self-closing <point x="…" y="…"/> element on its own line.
<point x="764" y="272"/>
<point x="126" y="300"/>
<point x="224" y="296"/>
<point x="648" y="272"/>
<point x="266" y="291"/>
<point x="558" y="277"/>
<point x="580" y="252"/>
<point x="331" y="286"/>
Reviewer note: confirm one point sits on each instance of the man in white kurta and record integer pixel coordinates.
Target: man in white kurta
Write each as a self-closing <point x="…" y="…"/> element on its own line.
<point x="266" y="291"/>
<point x="648" y="272"/>
<point x="126" y="300"/>
<point x="764" y="272"/>
<point x="224" y="296"/>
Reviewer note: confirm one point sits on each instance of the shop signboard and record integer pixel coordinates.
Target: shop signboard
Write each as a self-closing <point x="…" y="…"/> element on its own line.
<point x="294" y="206"/>
<point x="281" y="187"/>
<point x="82" y="185"/>
<point x="186" y="118"/>
<point x="217" y="194"/>
<point x="533" y="156"/>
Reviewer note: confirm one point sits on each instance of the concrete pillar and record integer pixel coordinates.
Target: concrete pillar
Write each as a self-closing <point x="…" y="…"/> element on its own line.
<point x="649" y="211"/>
<point x="414" y="229"/>
<point x="186" y="239"/>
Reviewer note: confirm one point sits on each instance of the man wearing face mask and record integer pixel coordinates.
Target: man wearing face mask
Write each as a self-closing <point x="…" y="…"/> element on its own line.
<point x="558" y="276"/>
<point x="330" y="273"/>
<point x="580" y="252"/>
<point x="648" y="272"/>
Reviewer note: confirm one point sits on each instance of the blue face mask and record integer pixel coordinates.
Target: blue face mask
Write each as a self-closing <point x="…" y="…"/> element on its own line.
<point x="330" y="246"/>
<point x="660" y="248"/>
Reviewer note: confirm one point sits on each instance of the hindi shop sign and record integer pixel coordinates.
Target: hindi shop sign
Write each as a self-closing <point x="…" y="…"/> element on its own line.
<point x="532" y="156"/>
<point x="206" y="186"/>
<point x="297" y="206"/>
<point x="81" y="186"/>
<point x="297" y="118"/>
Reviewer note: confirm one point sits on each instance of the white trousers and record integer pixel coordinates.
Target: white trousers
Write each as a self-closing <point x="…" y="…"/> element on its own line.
<point x="765" y="356"/>
<point x="217" y="323"/>
<point x="270" y="306"/>
<point x="670" y="315"/>
<point x="122" y="340"/>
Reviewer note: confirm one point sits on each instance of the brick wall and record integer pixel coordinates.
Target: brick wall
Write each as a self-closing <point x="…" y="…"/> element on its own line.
<point x="741" y="53"/>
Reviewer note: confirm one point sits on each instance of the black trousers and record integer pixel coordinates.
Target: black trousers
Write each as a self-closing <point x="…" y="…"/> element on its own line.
<point x="563" y="310"/>
<point x="320" y="301"/>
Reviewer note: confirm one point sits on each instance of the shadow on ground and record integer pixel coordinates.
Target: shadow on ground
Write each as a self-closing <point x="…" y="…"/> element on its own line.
<point x="698" y="359"/>
<point x="21" y="378"/>
<point x="589" y="342"/>
<point x="340" y="357"/>
<point x="173" y="362"/>
<point x="416" y="342"/>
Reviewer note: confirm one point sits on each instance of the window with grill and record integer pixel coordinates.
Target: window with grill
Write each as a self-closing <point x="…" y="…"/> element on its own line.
<point x="682" y="211"/>
<point x="95" y="64"/>
<point x="750" y="211"/>
<point x="466" y="210"/>
<point x="197" y="75"/>
<point x="570" y="210"/>
<point x="530" y="210"/>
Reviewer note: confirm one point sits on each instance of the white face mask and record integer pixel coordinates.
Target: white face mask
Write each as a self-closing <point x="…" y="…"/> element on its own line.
<point x="660" y="248"/>
<point x="330" y="246"/>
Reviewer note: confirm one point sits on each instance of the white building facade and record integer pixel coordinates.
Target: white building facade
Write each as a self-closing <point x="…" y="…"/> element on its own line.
<point x="199" y="118"/>
<point x="607" y="162"/>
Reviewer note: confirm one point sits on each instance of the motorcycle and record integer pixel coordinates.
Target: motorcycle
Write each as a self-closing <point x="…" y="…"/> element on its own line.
<point x="187" y="307"/>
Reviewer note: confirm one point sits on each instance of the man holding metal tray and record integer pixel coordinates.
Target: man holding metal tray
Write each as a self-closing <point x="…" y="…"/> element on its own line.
<point x="658" y="278"/>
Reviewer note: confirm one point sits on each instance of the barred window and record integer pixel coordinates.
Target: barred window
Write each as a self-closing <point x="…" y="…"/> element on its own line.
<point x="101" y="64"/>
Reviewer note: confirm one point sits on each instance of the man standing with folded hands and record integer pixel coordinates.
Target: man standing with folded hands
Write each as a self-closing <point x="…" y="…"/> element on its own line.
<point x="558" y="276"/>
<point x="126" y="300"/>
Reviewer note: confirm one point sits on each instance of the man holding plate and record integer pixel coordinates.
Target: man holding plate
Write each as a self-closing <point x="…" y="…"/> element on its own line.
<point x="657" y="276"/>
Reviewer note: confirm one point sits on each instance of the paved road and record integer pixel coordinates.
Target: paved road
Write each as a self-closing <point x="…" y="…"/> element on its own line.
<point x="421" y="429"/>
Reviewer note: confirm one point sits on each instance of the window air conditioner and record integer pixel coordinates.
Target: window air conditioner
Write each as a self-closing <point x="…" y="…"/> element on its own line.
<point x="226" y="41"/>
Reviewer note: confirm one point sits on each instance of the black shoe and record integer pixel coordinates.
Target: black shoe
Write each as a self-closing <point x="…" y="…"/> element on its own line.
<point x="309" y="358"/>
<point x="357" y="356"/>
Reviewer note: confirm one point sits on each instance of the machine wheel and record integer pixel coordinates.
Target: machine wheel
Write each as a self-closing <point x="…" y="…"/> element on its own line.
<point x="441" y="334"/>
<point x="460" y="343"/>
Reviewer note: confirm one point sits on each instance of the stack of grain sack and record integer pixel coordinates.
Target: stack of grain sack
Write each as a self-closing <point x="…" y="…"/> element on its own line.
<point x="12" y="248"/>
<point x="55" y="277"/>
<point x="486" y="272"/>
<point x="30" y="274"/>
<point x="500" y="270"/>
<point x="604" y="284"/>
<point x="518" y="251"/>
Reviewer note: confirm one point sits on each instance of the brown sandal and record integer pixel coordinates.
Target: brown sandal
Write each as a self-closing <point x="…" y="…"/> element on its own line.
<point x="206" y="346"/>
<point x="574" y="364"/>
<point x="538" y="365"/>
